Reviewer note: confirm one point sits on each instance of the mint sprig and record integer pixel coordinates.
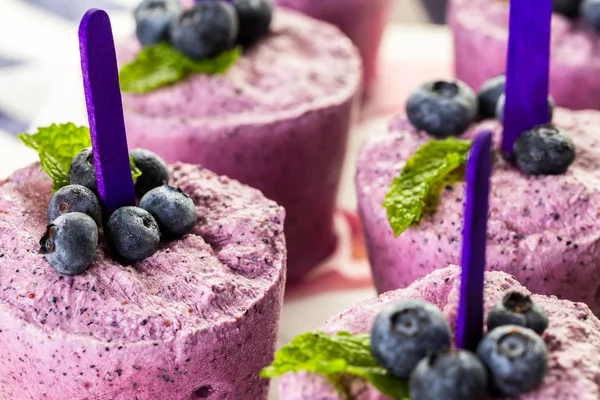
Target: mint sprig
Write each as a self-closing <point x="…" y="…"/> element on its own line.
<point x="161" y="65"/>
<point x="335" y="356"/>
<point x="57" y="145"/>
<point x="417" y="187"/>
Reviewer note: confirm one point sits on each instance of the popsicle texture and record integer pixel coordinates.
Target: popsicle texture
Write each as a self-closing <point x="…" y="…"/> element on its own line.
<point x="543" y="230"/>
<point x="572" y="338"/>
<point x="278" y="121"/>
<point x="197" y="319"/>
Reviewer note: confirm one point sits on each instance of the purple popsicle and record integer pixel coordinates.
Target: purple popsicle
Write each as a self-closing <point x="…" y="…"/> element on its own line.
<point x="527" y="69"/>
<point x="469" y="325"/>
<point x="105" y="111"/>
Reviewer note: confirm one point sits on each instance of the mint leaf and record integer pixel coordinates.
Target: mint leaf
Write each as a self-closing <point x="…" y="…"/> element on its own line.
<point x="57" y="145"/>
<point x="160" y="65"/>
<point x="334" y="356"/>
<point x="417" y="187"/>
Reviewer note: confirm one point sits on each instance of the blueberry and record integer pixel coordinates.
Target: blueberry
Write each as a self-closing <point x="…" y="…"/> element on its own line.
<point x="132" y="233"/>
<point x="449" y="375"/>
<point x="590" y="9"/>
<point x="74" y="198"/>
<point x="488" y="96"/>
<point x="205" y="30"/>
<point x="255" y="19"/>
<point x="173" y="210"/>
<point x="82" y="171"/>
<point x="405" y="332"/>
<point x="568" y="8"/>
<point x="516" y="359"/>
<point x="544" y="150"/>
<point x="518" y="309"/>
<point x="500" y="108"/>
<point x="152" y="18"/>
<point x="69" y="243"/>
<point x="154" y="171"/>
<point x="442" y="108"/>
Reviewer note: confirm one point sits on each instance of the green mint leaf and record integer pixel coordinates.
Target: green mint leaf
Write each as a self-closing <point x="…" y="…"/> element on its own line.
<point x="161" y="65"/>
<point x="335" y="356"/>
<point x="417" y="188"/>
<point x="57" y="145"/>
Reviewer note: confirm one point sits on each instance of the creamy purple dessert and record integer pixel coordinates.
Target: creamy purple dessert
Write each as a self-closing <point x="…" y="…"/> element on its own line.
<point x="480" y="29"/>
<point x="198" y="319"/>
<point x="544" y="230"/>
<point x="362" y="20"/>
<point x="572" y="338"/>
<point x="277" y="120"/>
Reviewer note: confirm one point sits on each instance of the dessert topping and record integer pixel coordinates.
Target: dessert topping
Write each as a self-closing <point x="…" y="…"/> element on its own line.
<point x="172" y="209"/>
<point x="436" y="163"/>
<point x="488" y="96"/>
<point x="516" y="358"/>
<point x="442" y="108"/>
<point x="333" y="356"/>
<point x="57" y="146"/>
<point x="70" y="242"/>
<point x="82" y="171"/>
<point x="544" y="150"/>
<point x="404" y="332"/>
<point x="75" y="198"/>
<point x="152" y="19"/>
<point x="154" y="169"/>
<point x="255" y="20"/>
<point x="205" y="30"/>
<point x="590" y="9"/>
<point x="132" y="233"/>
<point x="449" y="375"/>
<point x="500" y="108"/>
<point x="518" y="309"/>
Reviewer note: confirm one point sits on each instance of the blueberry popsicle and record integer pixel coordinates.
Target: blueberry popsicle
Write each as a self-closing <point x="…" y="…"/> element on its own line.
<point x="275" y="116"/>
<point x="192" y="316"/>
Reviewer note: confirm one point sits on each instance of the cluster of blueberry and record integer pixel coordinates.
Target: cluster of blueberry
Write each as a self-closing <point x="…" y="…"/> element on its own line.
<point x="134" y="233"/>
<point x="207" y="28"/>
<point x="411" y="339"/>
<point x="448" y="108"/>
<point x="588" y="9"/>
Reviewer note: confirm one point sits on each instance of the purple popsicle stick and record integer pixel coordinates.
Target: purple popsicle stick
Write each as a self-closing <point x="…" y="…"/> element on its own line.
<point x="469" y="324"/>
<point x="527" y="69"/>
<point x="105" y="111"/>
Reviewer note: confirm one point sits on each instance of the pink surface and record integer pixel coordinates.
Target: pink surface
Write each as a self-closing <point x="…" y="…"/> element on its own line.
<point x="572" y="338"/>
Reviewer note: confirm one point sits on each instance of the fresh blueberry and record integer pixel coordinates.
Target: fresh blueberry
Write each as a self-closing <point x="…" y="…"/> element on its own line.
<point x="488" y="96"/>
<point x="154" y="171"/>
<point x="405" y="332"/>
<point x="449" y="375"/>
<point x="255" y="19"/>
<point x="516" y="359"/>
<point x="590" y="9"/>
<point x="518" y="309"/>
<point x="442" y="108"/>
<point x="132" y="233"/>
<point x="74" y="198"/>
<point x="544" y="150"/>
<point x="173" y="210"/>
<point x="152" y="18"/>
<point x="69" y="243"/>
<point x="205" y="30"/>
<point x="82" y="171"/>
<point x="500" y="108"/>
<point x="568" y="8"/>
